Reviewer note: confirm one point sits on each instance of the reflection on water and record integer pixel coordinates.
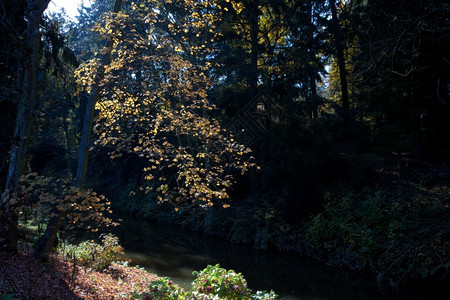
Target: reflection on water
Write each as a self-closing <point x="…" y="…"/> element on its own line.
<point x="173" y="252"/>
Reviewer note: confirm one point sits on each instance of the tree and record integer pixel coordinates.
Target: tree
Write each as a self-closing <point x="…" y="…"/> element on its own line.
<point x="47" y="92"/>
<point x="25" y="69"/>
<point x="339" y="46"/>
<point x="284" y="57"/>
<point x="46" y="241"/>
<point x="401" y="70"/>
<point x="306" y="21"/>
<point x="154" y="100"/>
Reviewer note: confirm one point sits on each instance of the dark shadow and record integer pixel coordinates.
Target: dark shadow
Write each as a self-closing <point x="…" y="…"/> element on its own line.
<point x="24" y="277"/>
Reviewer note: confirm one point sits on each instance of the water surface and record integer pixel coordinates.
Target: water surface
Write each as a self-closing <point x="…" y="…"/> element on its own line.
<point x="173" y="252"/>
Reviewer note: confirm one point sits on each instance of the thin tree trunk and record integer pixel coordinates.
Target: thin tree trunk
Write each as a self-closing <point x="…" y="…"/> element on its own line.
<point x="83" y="150"/>
<point x="313" y="95"/>
<point x="340" y="59"/>
<point x="312" y="56"/>
<point x="45" y="243"/>
<point x="254" y="13"/>
<point x="83" y="153"/>
<point x="254" y="29"/>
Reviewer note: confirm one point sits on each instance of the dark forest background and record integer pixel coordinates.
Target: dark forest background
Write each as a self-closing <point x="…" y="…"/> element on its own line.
<point x="344" y="104"/>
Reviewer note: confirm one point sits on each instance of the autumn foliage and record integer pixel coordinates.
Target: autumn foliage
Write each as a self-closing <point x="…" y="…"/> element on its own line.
<point x="154" y="99"/>
<point x="46" y="197"/>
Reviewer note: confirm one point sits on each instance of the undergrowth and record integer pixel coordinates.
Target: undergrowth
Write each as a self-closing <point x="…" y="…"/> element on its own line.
<point x="394" y="236"/>
<point x="93" y="255"/>
<point x="213" y="282"/>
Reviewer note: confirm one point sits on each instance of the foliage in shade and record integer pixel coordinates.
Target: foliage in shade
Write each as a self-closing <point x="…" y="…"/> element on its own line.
<point x="371" y="231"/>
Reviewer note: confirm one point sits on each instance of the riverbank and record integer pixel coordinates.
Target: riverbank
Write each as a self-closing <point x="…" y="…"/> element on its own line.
<point x="395" y="229"/>
<point x="23" y="277"/>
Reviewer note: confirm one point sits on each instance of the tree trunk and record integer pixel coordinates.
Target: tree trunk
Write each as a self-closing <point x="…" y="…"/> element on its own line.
<point x="340" y="59"/>
<point x="83" y="153"/>
<point x="312" y="55"/>
<point x="45" y="243"/>
<point x="25" y="115"/>
<point x="8" y="217"/>
<point x="83" y="150"/>
<point x="313" y="95"/>
<point x="254" y="29"/>
<point x="8" y="228"/>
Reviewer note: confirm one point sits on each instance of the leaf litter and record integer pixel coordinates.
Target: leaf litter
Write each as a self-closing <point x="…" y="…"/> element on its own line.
<point x="24" y="277"/>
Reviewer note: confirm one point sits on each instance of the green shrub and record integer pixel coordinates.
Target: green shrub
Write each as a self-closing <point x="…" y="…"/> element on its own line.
<point x="216" y="281"/>
<point x="213" y="282"/>
<point x="93" y="255"/>
<point x="6" y="297"/>
<point x="264" y="295"/>
<point x="393" y="235"/>
<point x="162" y="289"/>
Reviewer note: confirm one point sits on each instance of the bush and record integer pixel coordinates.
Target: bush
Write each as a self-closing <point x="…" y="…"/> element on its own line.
<point x="392" y="235"/>
<point x="162" y="289"/>
<point x="213" y="282"/>
<point x="93" y="255"/>
<point x="216" y="281"/>
<point x="7" y="297"/>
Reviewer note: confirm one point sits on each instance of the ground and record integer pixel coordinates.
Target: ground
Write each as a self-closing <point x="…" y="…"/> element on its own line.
<point x="21" y="276"/>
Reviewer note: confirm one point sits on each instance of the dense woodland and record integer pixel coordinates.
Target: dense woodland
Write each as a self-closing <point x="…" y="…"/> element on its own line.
<point x="316" y="127"/>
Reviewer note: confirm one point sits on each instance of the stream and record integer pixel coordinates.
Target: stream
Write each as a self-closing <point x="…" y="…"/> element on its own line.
<point x="168" y="250"/>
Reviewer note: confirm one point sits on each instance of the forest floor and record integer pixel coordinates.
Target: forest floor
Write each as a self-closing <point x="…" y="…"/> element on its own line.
<point x="23" y="277"/>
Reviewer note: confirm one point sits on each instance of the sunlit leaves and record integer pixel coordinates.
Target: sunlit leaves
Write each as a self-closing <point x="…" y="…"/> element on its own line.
<point x="50" y="197"/>
<point x="154" y="99"/>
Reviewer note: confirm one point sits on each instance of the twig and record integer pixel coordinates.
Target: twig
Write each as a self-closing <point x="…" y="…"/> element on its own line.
<point x="74" y="272"/>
